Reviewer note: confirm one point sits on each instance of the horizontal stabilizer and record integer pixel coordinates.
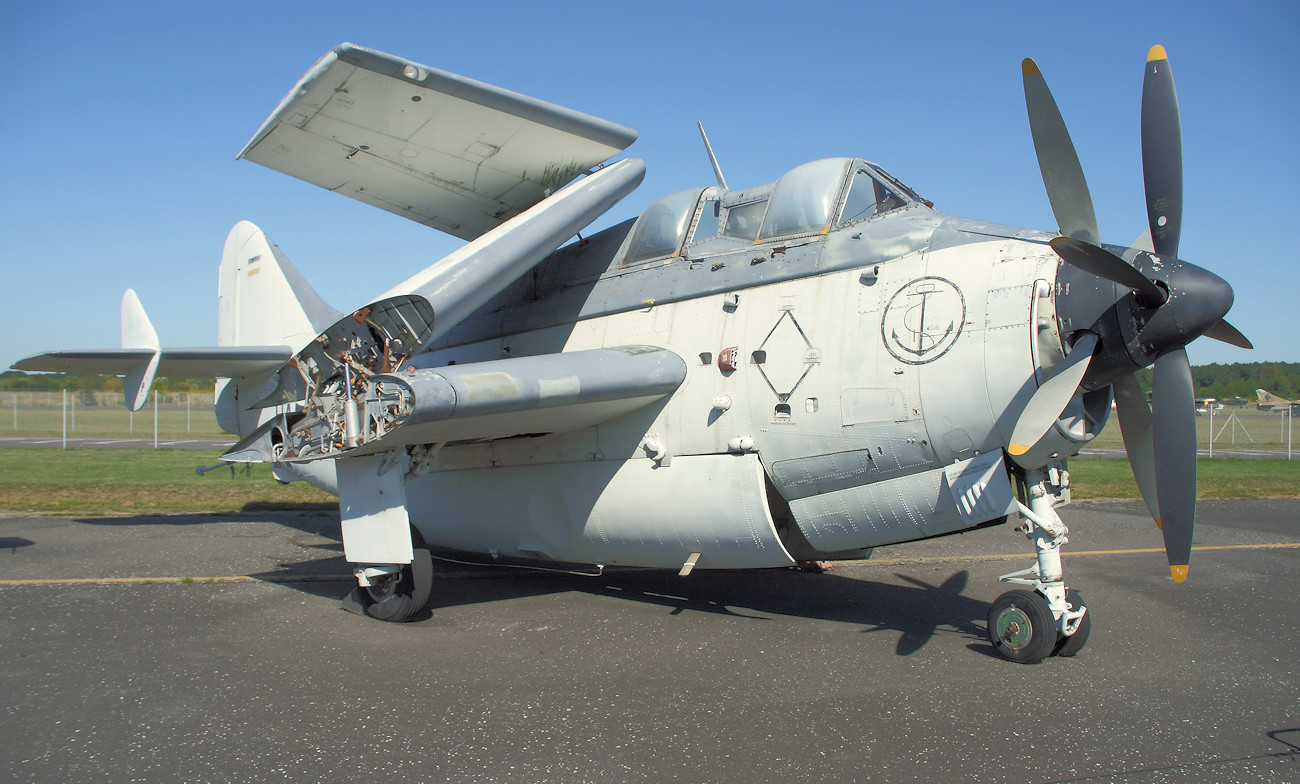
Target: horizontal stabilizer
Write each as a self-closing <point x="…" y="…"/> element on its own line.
<point x="140" y="359"/>
<point x="224" y="361"/>
<point x="449" y="152"/>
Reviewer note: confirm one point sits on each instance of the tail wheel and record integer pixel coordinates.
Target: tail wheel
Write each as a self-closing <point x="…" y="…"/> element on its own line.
<point x="1021" y="627"/>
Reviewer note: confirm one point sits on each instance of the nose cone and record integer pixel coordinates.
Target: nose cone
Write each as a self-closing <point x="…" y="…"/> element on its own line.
<point x="1198" y="299"/>
<point x="1132" y="331"/>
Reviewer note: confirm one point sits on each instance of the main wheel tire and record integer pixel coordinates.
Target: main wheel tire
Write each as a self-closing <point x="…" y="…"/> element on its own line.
<point x="402" y="596"/>
<point x="1070" y="646"/>
<point x="1021" y="627"/>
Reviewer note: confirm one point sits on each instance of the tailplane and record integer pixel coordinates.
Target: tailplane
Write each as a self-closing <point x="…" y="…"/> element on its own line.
<point x="266" y="313"/>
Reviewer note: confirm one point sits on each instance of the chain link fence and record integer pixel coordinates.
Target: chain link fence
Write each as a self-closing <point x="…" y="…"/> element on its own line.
<point x="93" y="414"/>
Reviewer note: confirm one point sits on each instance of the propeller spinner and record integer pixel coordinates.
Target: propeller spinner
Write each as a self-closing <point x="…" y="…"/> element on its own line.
<point x="1129" y="314"/>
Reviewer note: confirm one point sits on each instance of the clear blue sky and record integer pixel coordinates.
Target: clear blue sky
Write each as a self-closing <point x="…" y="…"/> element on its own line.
<point x="122" y="120"/>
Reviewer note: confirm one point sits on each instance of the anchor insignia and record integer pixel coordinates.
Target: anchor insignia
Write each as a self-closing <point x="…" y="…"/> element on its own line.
<point x="923" y="320"/>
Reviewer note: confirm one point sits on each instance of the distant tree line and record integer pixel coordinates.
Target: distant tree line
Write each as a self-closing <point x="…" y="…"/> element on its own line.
<point x="17" y="380"/>
<point x="1240" y="379"/>
<point x="1224" y="382"/>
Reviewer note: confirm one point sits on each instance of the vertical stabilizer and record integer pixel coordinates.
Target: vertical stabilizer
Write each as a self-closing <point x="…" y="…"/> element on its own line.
<point x="262" y="300"/>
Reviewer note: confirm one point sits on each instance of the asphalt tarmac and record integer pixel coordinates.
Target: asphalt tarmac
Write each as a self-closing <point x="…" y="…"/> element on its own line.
<point x="205" y="648"/>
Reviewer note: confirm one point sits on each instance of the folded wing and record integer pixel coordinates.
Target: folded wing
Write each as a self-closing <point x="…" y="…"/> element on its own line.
<point x="449" y="152"/>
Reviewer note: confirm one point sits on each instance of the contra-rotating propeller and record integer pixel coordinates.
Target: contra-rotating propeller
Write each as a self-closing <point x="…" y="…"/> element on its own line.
<point x="1163" y="304"/>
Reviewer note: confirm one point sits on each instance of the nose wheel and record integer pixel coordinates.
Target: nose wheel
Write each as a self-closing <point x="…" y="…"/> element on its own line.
<point x="1022" y="628"/>
<point x="1027" y="626"/>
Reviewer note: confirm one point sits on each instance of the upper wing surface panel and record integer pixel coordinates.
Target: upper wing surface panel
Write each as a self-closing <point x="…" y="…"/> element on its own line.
<point x="449" y="152"/>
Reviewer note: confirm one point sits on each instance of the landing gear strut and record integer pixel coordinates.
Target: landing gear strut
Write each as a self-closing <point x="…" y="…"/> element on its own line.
<point x="1027" y="626"/>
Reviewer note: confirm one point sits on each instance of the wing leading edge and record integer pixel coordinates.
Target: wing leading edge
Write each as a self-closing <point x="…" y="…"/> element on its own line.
<point x="449" y="152"/>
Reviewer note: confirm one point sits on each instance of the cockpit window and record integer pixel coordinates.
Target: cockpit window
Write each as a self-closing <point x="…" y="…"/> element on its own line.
<point x="743" y="220"/>
<point x="803" y="199"/>
<point x="662" y="227"/>
<point x="707" y="226"/>
<point x="867" y="197"/>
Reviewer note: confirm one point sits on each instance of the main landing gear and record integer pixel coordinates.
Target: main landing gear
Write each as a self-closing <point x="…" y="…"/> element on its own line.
<point x="1027" y="626"/>
<point x="393" y="592"/>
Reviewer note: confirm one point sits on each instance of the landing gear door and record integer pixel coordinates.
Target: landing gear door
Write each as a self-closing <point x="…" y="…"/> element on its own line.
<point x="372" y="503"/>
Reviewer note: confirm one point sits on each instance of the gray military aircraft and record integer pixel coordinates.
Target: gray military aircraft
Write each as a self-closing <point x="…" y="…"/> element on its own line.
<point x="738" y="378"/>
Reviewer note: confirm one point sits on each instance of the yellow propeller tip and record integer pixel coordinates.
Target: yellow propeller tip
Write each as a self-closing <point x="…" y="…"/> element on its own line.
<point x="1179" y="572"/>
<point x="1158" y="525"/>
<point x="1157" y="53"/>
<point x="1028" y="67"/>
<point x="1017" y="449"/>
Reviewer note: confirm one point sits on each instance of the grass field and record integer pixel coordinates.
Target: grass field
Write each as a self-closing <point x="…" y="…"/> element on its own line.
<point x="113" y="422"/>
<point x="163" y="481"/>
<point x="1096" y="478"/>
<point x="1249" y="429"/>
<point x="142" y="481"/>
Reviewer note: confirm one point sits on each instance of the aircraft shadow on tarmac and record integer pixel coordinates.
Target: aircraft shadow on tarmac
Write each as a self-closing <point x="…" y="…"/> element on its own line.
<point x="917" y="611"/>
<point x="12" y="543"/>
<point x="304" y="517"/>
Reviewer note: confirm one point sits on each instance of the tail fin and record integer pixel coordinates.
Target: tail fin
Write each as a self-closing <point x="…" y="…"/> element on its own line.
<point x="261" y="300"/>
<point x="138" y="332"/>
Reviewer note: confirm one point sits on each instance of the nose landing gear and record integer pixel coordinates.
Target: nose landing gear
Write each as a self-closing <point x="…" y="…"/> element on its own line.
<point x="1027" y="626"/>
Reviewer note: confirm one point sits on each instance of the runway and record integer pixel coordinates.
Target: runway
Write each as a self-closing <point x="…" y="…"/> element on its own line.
<point x="206" y="648"/>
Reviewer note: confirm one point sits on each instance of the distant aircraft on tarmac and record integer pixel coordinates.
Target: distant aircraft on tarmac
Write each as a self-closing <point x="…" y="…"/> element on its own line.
<point x="1267" y="401"/>
<point x="739" y="378"/>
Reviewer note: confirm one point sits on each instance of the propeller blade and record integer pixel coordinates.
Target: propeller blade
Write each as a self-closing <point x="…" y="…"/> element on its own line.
<point x="1162" y="154"/>
<point x="1107" y="266"/>
<point x="1047" y="404"/>
<point x="1173" y="409"/>
<point x="1229" y="334"/>
<point x="1135" y="426"/>
<point x="1067" y="189"/>
<point x="1143" y="242"/>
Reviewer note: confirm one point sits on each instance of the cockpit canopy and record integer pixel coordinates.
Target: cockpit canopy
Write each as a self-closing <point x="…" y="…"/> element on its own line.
<point x="808" y="201"/>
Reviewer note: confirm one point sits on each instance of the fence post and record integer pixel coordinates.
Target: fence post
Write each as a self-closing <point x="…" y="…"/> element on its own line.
<point x="155" y="419"/>
<point x="1210" y="407"/>
<point x="65" y="419"/>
